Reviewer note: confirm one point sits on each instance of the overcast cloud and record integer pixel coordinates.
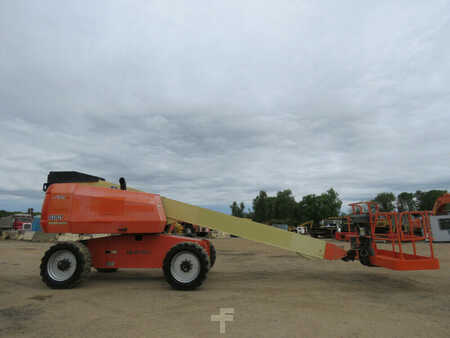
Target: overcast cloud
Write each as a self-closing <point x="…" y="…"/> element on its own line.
<point x="211" y="101"/>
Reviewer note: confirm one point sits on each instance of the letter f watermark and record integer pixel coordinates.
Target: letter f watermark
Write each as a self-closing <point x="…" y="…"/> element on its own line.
<point x="226" y="315"/>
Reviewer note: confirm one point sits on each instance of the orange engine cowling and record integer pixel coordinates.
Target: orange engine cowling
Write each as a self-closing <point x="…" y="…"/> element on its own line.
<point x="83" y="208"/>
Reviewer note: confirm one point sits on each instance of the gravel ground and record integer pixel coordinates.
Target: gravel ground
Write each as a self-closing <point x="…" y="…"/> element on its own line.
<point x="274" y="293"/>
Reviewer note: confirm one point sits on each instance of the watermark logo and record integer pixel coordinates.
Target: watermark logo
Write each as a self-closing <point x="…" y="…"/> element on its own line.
<point x="225" y="315"/>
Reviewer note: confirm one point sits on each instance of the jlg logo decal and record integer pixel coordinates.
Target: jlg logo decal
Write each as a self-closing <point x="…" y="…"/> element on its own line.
<point x="55" y="217"/>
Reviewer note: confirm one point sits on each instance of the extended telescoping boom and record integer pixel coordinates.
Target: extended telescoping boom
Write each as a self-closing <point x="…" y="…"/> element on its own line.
<point x="137" y="221"/>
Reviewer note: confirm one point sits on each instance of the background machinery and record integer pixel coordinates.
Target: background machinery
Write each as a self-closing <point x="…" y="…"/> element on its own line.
<point x="363" y="214"/>
<point x="302" y="228"/>
<point x="187" y="229"/>
<point x="16" y="222"/>
<point x="137" y="222"/>
<point x="440" y="221"/>
<point x="360" y="217"/>
<point x="442" y="205"/>
<point x="326" y="229"/>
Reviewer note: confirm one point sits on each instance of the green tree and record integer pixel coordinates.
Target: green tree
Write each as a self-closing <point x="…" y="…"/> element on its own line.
<point x="237" y="209"/>
<point x="270" y="215"/>
<point x="308" y="209"/>
<point x="330" y="204"/>
<point x="249" y="214"/>
<point x="284" y="208"/>
<point x="316" y="208"/>
<point x="4" y="213"/>
<point x="406" y="202"/>
<point x="260" y="207"/>
<point x="426" y="199"/>
<point x="241" y="209"/>
<point x="385" y="201"/>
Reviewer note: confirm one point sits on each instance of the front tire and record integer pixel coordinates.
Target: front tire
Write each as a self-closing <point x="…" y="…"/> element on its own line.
<point x="212" y="254"/>
<point x="65" y="265"/>
<point x="186" y="266"/>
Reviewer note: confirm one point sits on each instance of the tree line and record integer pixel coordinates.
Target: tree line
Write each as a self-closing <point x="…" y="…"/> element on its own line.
<point x="5" y="213"/>
<point x="283" y="208"/>
<point x="408" y="201"/>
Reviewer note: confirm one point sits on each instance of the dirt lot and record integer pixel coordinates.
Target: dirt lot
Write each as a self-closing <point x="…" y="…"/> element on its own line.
<point x="274" y="293"/>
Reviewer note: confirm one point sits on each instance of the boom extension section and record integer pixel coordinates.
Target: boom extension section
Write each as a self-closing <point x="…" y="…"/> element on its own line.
<point x="245" y="228"/>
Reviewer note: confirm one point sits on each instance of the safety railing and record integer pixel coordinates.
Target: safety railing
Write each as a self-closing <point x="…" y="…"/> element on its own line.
<point x="405" y="229"/>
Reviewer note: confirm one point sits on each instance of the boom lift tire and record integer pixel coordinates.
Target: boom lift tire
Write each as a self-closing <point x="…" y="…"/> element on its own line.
<point x="186" y="266"/>
<point x="65" y="265"/>
<point x="212" y="254"/>
<point x="365" y="251"/>
<point x="106" y="270"/>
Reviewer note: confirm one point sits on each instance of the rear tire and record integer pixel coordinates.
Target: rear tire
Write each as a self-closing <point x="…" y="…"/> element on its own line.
<point x="65" y="265"/>
<point x="186" y="266"/>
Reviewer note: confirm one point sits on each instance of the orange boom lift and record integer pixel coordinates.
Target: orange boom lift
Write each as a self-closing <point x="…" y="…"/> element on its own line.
<point x="137" y="225"/>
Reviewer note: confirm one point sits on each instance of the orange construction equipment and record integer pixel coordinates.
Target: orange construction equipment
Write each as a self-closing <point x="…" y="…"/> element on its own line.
<point x="440" y="204"/>
<point x="138" y="223"/>
<point x="360" y="216"/>
<point x="362" y="213"/>
<point x="344" y="232"/>
<point x="408" y="226"/>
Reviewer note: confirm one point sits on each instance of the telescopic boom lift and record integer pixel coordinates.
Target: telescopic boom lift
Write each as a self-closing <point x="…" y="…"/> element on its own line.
<point x="137" y="222"/>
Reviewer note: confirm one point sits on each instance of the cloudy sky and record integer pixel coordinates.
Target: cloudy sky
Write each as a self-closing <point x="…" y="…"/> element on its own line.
<point x="211" y="101"/>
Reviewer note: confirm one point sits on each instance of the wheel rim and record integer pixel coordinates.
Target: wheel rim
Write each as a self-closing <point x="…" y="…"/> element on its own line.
<point x="185" y="267"/>
<point x="61" y="265"/>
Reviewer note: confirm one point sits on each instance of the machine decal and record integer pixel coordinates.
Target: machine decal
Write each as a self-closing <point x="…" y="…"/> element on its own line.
<point x="138" y="252"/>
<point x="55" y="218"/>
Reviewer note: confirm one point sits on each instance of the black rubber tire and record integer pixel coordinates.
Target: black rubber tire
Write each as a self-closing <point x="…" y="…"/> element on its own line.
<point x="106" y="270"/>
<point x="212" y="255"/>
<point x="202" y="256"/>
<point x="83" y="269"/>
<point x="365" y="252"/>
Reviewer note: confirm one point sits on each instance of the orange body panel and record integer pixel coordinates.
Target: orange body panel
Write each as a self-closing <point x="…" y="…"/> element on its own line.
<point x="135" y="251"/>
<point x="81" y="208"/>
